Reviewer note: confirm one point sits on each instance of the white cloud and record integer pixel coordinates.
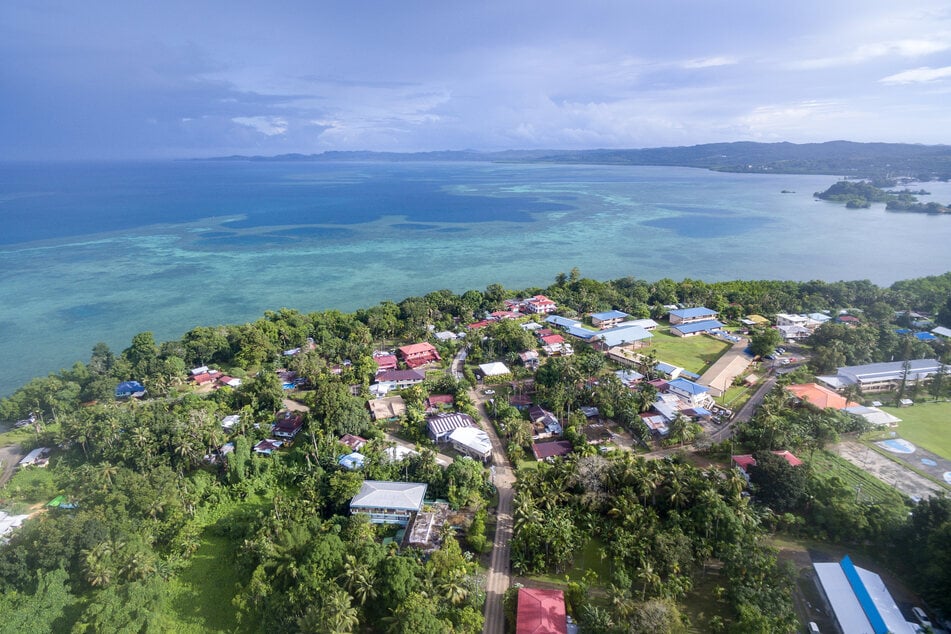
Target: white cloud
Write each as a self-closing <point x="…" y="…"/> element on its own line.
<point x="895" y="48"/>
<point x="268" y="126"/>
<point x="710" y="62"/>
<point x="918" y="75"/>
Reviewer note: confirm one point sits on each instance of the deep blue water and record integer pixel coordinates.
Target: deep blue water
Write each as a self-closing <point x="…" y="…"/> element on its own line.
<point x="101" y="251"/>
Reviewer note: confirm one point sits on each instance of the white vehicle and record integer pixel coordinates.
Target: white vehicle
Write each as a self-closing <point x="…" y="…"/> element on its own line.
<point x="489" y="392"/>
<point x="921" y="617"/>
<point x="813" y="628"/>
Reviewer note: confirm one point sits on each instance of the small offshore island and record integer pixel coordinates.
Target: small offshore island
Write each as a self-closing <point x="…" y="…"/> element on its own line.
<point x="636" y="456"/>
<point x="861" y="195"/>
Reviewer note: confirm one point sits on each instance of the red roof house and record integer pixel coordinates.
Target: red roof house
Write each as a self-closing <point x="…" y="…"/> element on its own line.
<point x="551" y="340"/>
<point x="386" y="362"/>
<point x="541" y="612"/>
<point x="540" y="305"/>
<point x="418" y="354"/>
<point x="556" y="448"/>
<point x="354" y="442"/>
<point x="287" y="424"/>
<point x="745" y="461"/>
<point x="479" y="324"/>
<point x="819" y="396"/>
<point x="435" y="400"/>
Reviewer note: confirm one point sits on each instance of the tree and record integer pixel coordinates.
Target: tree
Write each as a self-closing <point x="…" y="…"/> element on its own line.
<point x="779" y="485"/>
<point x="763" y="341"/>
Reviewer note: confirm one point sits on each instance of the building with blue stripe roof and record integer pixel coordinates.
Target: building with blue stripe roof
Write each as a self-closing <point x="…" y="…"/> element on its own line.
<point x="695" y="328"/>
<point x="861" y="602"/>
<point x="687" y="315"/>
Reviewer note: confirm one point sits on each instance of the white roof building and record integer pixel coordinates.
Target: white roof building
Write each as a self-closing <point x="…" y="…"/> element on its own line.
<point x="389" y="502"/>
<point x="472" y="441"/>
<point x="874" y="416"/>
<point x="860" y="600"/>
<point x="441" y="426"/>
<point x="496" y="368"/>
<point x="881" y="377"/>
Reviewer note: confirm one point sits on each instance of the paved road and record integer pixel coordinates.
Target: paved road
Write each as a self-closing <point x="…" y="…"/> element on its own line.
<point x="500" y="577"/>
<point x="9" y="458"/>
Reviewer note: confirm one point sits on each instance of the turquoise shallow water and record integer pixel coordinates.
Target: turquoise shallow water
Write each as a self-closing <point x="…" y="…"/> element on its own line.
<point x="99" y="252"/>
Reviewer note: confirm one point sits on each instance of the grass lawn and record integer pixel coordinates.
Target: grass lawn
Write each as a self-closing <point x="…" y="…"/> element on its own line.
<point x="735" y="397"/>
<point x="30" y="485"/>
<point x="202" y="592"/>
<point x="694" y="354"/>
<point x="927" y="425"/>
<point x="872" y="489"/>
<point x="588" y="558"/>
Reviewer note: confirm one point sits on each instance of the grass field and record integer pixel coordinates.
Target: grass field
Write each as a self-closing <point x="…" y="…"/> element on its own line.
<point x="868" y="488"/>
<point x="927" y="425"/>
<point x="31" y="485"/>
<point x="202" y="592"/>
<point x="736" y="396"/>
<point x="694" y="354"/>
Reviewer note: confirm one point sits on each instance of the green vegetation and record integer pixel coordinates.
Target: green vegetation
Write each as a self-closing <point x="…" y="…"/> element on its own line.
<point x="171" y="533"/>
<point x="927" y="425"/>
<point x="694" y="354"/>
<point x="826" y="465"/>
<point x="861" y="195"/>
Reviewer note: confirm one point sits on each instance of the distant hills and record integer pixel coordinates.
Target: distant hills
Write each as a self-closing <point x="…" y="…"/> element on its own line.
<point x="844" y="158"/>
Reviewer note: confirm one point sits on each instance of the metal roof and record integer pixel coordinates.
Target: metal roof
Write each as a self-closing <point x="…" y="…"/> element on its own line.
<point x="403" y="496"/>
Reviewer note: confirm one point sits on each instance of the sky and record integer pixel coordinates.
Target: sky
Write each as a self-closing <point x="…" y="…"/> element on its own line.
<point x="105" y="79"/>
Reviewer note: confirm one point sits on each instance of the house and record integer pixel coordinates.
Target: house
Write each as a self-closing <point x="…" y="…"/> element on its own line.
<point x="551" y="449"/>
<point x="541" y="612"/>
<point x="39" y="457"/>
<point x="505" y="314"/>
<point x="848" y="319"/>
<point x="228" y="422"/>
<point x="435" y="402"/>
<point x="630" y="378"/>
<point x="695" y="394"/>
<point x="440" y="426"/>
<point x="389" y="502"/>
<point x="860" y="600"/>
<point x="785" y="319"/>
<point x="355" y="443"/>
<point x="287" y="424"/>
<point x="496" y="368"/>
<point x="756" y="320"/>
<point x="386" y="362"/>
<point x="818" y="396"/>
<point x="482" y="323"/>
<point x="544" y="419"/>
<point x="691" y="315"/>
<point x="418" y="354"/>
<point x="352" y="461"/>
<point x="668" y="370"/>
<point x="689" y="329"/>
<point x="551" y="340"/>
<point x="874" y="416"/>
<point x="130" y="388"/>
<point x="883" y="377"/>
<point x="925" y="336"/>
<point x="745" y="461"/>
<point x="793" y="333"/>
<point x="228" y="381"/>
<point x="445" y="335"/>
<point x="388" y="408"/>
<point x="267" y="447"/>
<point x="396" y="452"/>
<point x="656" y="423"/>
<point x="632" y="336"/>
<point x="400" y="379"/>
<point x="540" y="305"/>
<point x="471" y="441"/>
<point x="529" y="358"/>
<point x="608" y="319"/>
<point x="941" y="331"/>
<point x="199" y="370"/>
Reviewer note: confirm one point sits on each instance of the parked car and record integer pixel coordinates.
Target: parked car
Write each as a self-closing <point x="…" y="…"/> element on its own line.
<point x="813" y="628"/>
<point x="921" y="617"/>
<point x="488" y="392"/>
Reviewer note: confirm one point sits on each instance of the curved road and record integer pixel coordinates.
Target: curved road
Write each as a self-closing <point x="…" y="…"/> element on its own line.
<point x="499" y="578"/>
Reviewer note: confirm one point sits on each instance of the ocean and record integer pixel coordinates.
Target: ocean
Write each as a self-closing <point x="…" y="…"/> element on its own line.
<point x="95" y="252"/>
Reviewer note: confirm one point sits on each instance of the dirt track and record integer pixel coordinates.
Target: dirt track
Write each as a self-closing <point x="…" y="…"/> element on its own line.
<point x="9" y="458"/>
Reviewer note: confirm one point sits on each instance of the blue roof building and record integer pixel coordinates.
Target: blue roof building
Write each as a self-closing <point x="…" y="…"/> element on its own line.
<point x="129" y="388"/>
<point x="695" y="327"/>
<point x="580" y="332"/>
<point x="687" y="315"/>
<point x="561" y="322"/>
<point x="610" y="314"/>
<point x="622" y="335"/>
<point x="924" y="336"/>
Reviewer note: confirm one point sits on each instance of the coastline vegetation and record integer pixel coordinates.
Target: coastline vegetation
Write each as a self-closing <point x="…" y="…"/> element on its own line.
<point x="162" y="530"/>
<point x="861" y="195"/>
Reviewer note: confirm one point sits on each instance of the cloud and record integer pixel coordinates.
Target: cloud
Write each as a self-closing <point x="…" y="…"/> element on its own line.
<point x="710" y="62"/>
<point x="866" y="52"/>
<point x="918" y="75"/>
<point x="268" y="126"/>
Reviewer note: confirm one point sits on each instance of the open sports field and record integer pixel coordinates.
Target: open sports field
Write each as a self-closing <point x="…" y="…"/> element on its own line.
<point x="928" y="425"/>
<point x="694" y="354"/>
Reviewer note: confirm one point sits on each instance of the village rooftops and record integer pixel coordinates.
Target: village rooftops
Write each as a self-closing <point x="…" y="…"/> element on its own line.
<point x="287" y="424"/>
<point x="354" y="442"/>
<point x="745" y="461"/>
<point x="472" y="441"/>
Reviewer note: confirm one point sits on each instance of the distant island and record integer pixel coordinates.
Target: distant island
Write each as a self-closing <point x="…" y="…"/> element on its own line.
<point x="861" y="195"/>
<point x="846" y="158"/>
